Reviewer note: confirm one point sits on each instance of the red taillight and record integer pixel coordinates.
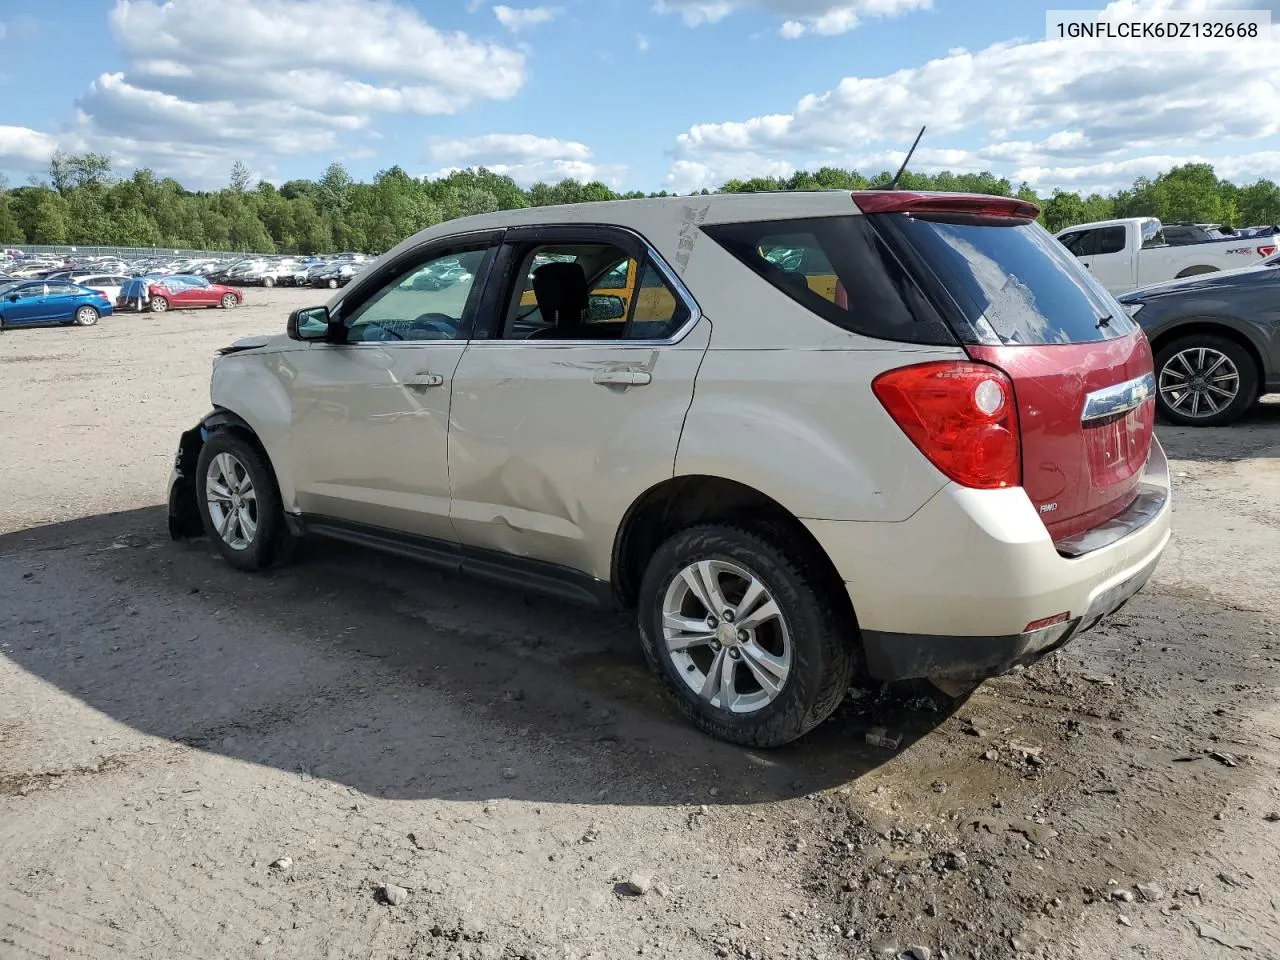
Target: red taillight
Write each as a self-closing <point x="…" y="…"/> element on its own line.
<point x="1266" y="251"/>
<point x="972" y="204"/>
<point x="961" y="415"/>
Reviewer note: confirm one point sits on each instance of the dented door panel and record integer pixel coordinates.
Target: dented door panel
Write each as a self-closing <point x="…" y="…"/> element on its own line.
<point x="545" y="459"/>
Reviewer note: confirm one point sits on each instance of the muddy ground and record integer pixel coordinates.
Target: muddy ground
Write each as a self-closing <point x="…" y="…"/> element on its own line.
<point x="198" y="763"/>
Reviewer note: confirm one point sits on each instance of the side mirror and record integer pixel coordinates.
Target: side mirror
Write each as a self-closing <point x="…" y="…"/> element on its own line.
<point x="605" y="307"/>
<point x="309" y="323"/>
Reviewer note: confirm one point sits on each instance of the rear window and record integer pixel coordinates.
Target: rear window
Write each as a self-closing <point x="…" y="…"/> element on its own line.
<point x="840" y="268"/>
<point x="1016" y="280"/>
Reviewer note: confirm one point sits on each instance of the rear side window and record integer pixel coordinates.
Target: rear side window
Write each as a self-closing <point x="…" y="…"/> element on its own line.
<point x="1111" y="239"/>
<point x="1016" y="279"/>
<point x="841" y="269"/>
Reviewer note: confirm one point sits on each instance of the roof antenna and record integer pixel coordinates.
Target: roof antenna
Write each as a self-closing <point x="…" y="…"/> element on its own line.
<point x="893" y="184"/>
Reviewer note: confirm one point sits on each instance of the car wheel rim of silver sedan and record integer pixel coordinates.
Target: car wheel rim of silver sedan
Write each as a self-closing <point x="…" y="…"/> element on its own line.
<point x="1199" y="382"/>
<point x="233" y="503"/>
<point x="726" y="636"/>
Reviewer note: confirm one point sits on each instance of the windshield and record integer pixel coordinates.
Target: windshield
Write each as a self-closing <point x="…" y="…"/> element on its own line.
<point x="1017" y="279"/>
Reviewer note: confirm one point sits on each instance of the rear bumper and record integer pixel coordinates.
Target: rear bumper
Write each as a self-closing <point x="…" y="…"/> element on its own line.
<point x="901" y="656"/>
<point x="950" y="591"/>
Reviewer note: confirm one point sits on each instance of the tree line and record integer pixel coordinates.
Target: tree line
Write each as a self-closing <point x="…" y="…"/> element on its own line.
<point x="83" y="202"/>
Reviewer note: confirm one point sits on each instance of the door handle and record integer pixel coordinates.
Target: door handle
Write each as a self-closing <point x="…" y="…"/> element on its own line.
<point x="622" y="378"/>
<point x="424" y="380"/>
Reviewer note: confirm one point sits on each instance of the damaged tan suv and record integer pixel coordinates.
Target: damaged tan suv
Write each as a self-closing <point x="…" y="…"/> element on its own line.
<point x="802" y="434"/>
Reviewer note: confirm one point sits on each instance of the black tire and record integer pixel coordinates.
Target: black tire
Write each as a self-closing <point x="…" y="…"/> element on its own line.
<point x="823" y="635"/>
<point x="86" y="316"/>
<point x="268" y="282"/>
<point x="333" y="284"/>
<point x="272" y="540"/>
<point x="1246" y="385"/>
<point x="159" y="305"/>
<point x="229" y="301"/>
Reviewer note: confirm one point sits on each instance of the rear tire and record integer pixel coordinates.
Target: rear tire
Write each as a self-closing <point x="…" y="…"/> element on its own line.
<point x="809" y="641"/>
<point x="245" y="520"/>
<point x="268" y="282"/>
<point x="159" y="304"/>
<point x="86" y="317"/>
<point x="1183" y="362"/>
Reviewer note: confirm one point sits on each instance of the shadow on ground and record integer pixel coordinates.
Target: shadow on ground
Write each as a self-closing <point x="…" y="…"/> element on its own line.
<point x="387" y="677"/>
<point x="1255" y="435"/>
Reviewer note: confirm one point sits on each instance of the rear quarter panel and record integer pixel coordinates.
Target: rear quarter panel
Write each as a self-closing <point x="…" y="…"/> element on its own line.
<point x="783" y="403"/>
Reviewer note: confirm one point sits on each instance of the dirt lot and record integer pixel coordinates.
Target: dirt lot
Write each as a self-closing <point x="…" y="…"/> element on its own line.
<point x="196" y="763"/>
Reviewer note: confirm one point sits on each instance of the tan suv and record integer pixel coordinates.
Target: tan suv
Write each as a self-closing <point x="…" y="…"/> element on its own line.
<point x="804" y="434"/>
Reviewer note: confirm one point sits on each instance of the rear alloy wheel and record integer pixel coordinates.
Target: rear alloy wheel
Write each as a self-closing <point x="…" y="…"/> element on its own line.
<point x="229" y="300"/>
<point x="86" y="317"/>
<point x="1205" y="381"/>
<point x="744" y="637"/>
<point x="159" y="304"/>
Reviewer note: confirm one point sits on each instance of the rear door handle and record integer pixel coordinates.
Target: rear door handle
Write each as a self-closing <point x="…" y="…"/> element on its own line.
<point x="425" y="380"/>
<point x="622" y="378"/>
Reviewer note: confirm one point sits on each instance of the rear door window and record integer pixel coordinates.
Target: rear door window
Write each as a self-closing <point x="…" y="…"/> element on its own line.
<point x="1081" y="242"/>
<point x="1016" y="280"/>
<point x="840" y="268"/>
<point x="1111" y="239"/>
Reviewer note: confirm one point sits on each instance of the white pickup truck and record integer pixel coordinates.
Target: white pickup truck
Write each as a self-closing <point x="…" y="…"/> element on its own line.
<point x="1130" y="253"/>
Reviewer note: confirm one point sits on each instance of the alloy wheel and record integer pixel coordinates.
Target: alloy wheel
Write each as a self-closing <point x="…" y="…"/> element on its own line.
<point x="726" y="636"/>
<point x="86" y="316"/>
<point x="1199" y="382"/>
<point x="232" y="500"/>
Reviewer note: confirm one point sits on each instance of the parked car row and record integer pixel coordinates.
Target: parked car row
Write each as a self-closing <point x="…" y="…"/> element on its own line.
<point x="1210" y="307"/>
<point x="42" y="302"/>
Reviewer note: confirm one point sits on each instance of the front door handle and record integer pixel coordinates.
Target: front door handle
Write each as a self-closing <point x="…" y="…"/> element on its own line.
<point x="425" y="380"/>
<point x="622" y="378"/>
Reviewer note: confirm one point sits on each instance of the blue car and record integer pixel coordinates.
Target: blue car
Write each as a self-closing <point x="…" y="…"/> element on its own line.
<point x="36" y="302"/>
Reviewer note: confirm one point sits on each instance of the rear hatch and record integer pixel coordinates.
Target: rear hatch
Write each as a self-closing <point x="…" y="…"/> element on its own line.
<point x="1081" y="369"/>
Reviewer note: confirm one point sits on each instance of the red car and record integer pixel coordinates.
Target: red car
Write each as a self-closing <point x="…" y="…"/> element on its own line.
<point x="182" y="293"/>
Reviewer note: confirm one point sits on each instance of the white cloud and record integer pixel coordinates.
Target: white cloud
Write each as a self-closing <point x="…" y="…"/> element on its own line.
<point x="23" y="148"/>
<point x="825" y="17"/>
<point x="523" y="157"/>
<point x="505" y="148"/>
<point x="643" y="43"/>
<point x="516" y="19"/>
<point x="210" y="81"/>
<point x="1032" y="108"/>
<point x="686" y="176"/>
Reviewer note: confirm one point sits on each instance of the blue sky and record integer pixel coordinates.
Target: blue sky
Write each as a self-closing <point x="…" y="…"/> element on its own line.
<point x="644" y="94"/>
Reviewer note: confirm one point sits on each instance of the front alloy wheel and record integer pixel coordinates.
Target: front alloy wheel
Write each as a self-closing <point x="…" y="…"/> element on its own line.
<point x="229" y="300"/>
<point x="232" y="501"/>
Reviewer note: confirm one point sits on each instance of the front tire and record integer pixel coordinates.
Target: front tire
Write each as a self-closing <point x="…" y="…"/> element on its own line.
<point x="159" y="304"/>
<point x="268" y="282"/>
<point x="239" y="502"/>
<point x="229" y="301"/>
<point x="780" y="655"/>
<point x="333" y="284"/>
<point x="1205" y="380"/>
<point x="86" y="317"/>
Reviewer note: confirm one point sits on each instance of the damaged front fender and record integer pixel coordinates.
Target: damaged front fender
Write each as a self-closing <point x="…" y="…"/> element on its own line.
<point x="185" y="522"/>
<point x="184" y="516"/>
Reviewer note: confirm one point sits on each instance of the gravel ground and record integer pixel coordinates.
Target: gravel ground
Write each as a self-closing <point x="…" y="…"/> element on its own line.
<point x="355" y="756"/>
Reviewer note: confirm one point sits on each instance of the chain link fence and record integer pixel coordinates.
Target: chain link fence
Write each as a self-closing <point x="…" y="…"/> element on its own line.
<point x="124" y="253"/>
